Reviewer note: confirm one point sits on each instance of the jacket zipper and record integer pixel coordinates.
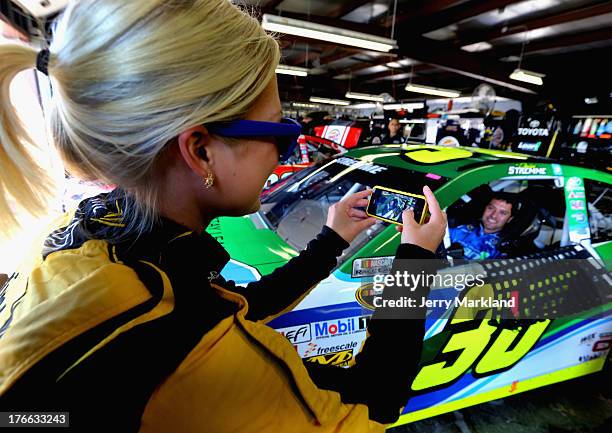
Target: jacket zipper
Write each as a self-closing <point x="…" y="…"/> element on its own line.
<point x="212" y="275"/>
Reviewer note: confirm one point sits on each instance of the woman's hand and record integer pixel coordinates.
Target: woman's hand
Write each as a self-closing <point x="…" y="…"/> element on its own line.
<point x="428" y="235"/>
<point x="345" y="219"/>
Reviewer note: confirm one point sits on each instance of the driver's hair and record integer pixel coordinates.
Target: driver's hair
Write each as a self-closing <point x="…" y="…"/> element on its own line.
<point x="128" y="77"/>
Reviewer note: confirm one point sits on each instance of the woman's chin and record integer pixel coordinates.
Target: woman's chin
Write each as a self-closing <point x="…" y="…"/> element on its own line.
<point x="255" y="207"/>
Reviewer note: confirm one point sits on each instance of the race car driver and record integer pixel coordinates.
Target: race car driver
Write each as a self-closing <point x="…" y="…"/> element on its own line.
<point x="480" y="241"/>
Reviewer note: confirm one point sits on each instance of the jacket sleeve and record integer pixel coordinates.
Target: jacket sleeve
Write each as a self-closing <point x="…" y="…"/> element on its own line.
<point x="384" y="369"/>
<point x="288" y="284"/>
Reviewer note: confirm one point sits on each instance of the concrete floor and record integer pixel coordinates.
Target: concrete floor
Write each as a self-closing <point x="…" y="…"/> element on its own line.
<point x="582" y="405"/>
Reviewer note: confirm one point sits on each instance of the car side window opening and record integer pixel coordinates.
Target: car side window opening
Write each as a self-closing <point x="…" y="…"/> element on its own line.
<point x="599" y="209"/>
<point x="507" y="218"/>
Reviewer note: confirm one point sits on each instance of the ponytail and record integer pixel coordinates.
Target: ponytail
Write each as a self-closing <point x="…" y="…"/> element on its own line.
<point x="24" y="185"/>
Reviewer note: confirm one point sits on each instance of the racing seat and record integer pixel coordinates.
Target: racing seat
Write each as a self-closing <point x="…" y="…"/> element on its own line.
<point x="517" y="237"/>
<point x="463" y="212"/>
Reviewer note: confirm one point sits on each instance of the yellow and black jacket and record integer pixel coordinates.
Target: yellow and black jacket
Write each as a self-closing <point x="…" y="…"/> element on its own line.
<point x="141" y="334"/>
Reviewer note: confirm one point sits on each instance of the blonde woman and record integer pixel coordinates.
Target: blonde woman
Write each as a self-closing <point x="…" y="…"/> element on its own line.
<point x="125" y="321"/>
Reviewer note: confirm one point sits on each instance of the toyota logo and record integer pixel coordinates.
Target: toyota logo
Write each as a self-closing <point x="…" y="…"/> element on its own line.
<point x="534" y="124"/>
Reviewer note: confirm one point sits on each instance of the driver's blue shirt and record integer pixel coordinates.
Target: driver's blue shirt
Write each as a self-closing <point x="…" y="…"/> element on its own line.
<point x="477" y="244"/>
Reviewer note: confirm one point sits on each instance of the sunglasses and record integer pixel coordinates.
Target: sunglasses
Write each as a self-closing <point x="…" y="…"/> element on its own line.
<point x="285" y="133"/>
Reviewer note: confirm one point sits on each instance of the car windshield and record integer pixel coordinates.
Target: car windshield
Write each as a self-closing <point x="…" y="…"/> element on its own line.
<point x="298" y="209"/>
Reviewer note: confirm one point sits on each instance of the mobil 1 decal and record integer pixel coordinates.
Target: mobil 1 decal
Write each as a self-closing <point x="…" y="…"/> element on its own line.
<point x="339" y="327"/>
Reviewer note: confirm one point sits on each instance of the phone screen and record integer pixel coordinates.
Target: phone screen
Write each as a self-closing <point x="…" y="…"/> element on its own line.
<point x="389" y="205"/>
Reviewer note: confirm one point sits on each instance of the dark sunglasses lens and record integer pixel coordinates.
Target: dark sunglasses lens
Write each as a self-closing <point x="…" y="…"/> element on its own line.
<point x="286" y="146"/>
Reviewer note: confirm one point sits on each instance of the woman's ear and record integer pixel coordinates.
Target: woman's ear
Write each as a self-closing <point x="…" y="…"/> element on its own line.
<point x="194" y="148"/>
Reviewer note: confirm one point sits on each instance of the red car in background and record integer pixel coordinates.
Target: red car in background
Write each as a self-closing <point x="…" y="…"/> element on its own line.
<point x="310" y="150"/>
<point x="345" y="135"/>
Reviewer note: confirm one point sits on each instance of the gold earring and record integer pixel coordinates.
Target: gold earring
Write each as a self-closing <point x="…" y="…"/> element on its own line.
<point x="209" y="180"/>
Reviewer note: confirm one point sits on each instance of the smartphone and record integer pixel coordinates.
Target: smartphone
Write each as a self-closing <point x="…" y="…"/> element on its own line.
<point x="388" y="204"/>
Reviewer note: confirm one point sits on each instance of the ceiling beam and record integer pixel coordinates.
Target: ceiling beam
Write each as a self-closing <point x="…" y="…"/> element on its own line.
<point x="348" y="7"/>
<point x="421" y="67"/>
<point x="538" y="23"/>
<point x="365" y="65"/>
<point x="339" y="54"/>
<point x="416" y="9"/>
<point x="317" y="85"/>
<point x="472" y="65"/>
<point x="556" y="42"/>
<point x="451" y="15"/>
<point x="270" y="6"/>
<point x="307" y="57"/>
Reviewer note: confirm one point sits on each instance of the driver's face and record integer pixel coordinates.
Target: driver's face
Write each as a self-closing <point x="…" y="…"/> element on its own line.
<point x="496" y="215"/>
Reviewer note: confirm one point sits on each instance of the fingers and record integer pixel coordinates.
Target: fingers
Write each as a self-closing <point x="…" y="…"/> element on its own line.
<point x="364" y="224"/>
<point x="353" y="198"/>
<point x="356" y="213"/>
<point x="361" y="203"/>
<point x="408" y="218"/>
<point x="432" y="203"/>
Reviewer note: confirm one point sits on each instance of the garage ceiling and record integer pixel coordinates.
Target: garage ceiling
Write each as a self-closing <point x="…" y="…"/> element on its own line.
<point x="454" y="44"/>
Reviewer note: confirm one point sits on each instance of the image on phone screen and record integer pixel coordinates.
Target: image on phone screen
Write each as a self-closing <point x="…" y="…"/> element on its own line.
<point x="388" y="205"/>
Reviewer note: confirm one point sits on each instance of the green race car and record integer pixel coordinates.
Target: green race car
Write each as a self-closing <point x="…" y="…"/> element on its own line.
<point x="564" y="212"/>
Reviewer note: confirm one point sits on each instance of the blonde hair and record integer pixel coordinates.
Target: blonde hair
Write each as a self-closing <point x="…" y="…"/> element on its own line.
<point x="128" y="77"/>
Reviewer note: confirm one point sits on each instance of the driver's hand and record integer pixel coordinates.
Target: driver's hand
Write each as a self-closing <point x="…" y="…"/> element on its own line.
<point x="428" y="235"/>
<point x="348" y="221"/>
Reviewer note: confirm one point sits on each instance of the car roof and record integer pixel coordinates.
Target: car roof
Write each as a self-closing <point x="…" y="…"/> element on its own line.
<point x="449" y="162"/>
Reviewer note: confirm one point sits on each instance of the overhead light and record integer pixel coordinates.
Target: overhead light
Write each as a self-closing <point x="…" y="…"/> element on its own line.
<point x="411" y="121"/>
<point x="322" y="32"/>
<point x="404" y="106"/>
<point x="592" y="100"/>
<point x="527" y="76"/>
<point x="328" y="101"/>
<point x="304" y="105"/>
<point x="478" y="46"/>
<point x="364" y="105"/>
<point x="394" y="65"/>
<point x="364" y="96"/>
<point x="291" y="70"/>
<point x="436" y="91"/>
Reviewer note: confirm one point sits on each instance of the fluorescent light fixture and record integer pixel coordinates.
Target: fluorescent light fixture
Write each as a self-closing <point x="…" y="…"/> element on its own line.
<point x="592" y="100"/>
<point x="303" y="105"/>
<point x="411" y="121"/>
<point x="321" y="32"/>
<point x="364" y="105"/>
<point x="394" y="65"/>
<point x="404" y="106"/>
<point x="436" y="91"/>
<point x="527" y="76"/>
<point x="291" y="70"/>
<point x="364" y="96"/>
<point x="329" y="101"/>
<point x="478" y="46"/>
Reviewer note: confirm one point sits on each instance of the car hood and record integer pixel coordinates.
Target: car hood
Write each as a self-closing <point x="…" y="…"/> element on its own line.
<point x="254" y="248"/>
